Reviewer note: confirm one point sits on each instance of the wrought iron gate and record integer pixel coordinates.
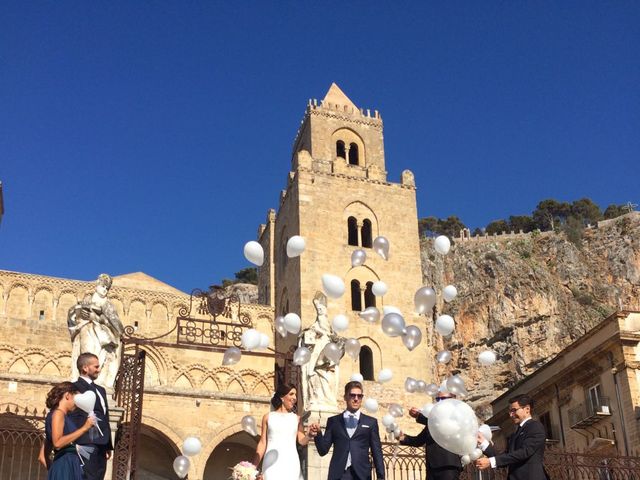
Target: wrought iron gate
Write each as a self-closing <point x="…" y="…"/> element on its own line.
<point x="21" y="435"/>
<point x="129" y="393"/>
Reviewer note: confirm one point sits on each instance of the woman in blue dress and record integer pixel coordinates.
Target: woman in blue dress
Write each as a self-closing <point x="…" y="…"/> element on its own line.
<point x="61" y="433"/>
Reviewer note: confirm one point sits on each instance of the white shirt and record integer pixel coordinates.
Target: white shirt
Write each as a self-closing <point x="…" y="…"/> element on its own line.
<point x="350" y="431"/>
<point x="98" y="394"/>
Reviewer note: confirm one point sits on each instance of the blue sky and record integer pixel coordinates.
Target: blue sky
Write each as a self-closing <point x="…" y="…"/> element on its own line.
<point x="154" y="136"/>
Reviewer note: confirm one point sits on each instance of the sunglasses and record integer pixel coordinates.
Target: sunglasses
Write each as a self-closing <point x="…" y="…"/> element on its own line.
<point x="442" y="398"/>
<point x="356" y="396"/>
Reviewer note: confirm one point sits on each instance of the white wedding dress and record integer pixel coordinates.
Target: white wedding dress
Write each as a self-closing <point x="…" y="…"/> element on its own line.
<point x="281" y="461"/>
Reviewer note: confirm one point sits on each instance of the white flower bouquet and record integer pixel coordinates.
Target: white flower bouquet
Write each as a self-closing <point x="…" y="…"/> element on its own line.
<point x="244" y="471"/>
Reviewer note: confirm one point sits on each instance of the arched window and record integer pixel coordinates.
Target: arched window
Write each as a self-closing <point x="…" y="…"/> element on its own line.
<point x="356" y="298"/>
<point x="369" y="297"/>
<point x="340" y="150"/>
<point x="367" y="241"/>
<point x="366" y="363"/>
<point x="353" y="154"/>
<point x="352" y="225"/>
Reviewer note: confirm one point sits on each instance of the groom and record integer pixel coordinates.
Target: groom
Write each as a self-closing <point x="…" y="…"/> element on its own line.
<point x="352" y="434"/>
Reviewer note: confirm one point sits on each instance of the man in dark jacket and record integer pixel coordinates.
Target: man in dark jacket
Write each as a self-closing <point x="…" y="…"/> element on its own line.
<point x="99" y="444"/>
<point x="353" y="435"/>
<point x="441" y="464"/>
<point x="525" y="447"/>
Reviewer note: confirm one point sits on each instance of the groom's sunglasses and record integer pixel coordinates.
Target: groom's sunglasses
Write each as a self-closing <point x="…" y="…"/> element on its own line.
<point x="355" y="396"/>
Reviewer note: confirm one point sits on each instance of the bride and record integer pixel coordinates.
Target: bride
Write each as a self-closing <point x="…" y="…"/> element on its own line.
<point x="280" y="429"/>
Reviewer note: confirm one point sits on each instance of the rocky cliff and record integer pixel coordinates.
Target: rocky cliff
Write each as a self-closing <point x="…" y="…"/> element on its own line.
<point x="527" y="297"/>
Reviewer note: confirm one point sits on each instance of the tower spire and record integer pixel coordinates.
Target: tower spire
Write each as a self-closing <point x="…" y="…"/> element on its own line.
<point x="336" y="96"/>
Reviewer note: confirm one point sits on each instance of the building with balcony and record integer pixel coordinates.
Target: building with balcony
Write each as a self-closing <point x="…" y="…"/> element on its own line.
<point x="587" y="396"/>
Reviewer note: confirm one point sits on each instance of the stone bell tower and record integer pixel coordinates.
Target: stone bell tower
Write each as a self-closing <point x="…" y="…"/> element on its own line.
<point x="338" y="198"/>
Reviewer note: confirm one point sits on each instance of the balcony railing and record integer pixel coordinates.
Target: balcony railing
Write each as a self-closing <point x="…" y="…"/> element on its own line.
<point x="586" y="414"/>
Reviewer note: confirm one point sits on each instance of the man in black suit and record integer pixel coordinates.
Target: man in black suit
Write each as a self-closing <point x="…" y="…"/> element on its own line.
<point x="352" y="434"/>
<point x="441" y="464"/>
<point x="96" y="465"/>
<point x="525" y="447"/>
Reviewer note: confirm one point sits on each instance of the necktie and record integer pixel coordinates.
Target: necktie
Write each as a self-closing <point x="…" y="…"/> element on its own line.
<point x="352" y="422"/>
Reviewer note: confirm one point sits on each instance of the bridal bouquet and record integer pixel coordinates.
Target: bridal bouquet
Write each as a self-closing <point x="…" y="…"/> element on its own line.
<point x="244" y="471"/>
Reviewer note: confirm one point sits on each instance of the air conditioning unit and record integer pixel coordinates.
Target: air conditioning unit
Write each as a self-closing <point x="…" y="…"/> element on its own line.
<point x="603" y="410"/>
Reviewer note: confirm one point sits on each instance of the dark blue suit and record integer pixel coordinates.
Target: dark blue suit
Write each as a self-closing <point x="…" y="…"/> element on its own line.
<point x="525" y="452"/>
<point x="95" y="467"/>
<point x="366" y="437"/>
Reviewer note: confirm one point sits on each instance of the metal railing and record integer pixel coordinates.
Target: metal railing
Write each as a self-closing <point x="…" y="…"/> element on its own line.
<point x="588" y="413"/>
<point x="409" y="463"/>
<point x="21" y="435"/>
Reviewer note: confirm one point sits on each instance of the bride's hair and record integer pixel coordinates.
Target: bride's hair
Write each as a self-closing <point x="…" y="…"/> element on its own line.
<point x="281" y="391"/>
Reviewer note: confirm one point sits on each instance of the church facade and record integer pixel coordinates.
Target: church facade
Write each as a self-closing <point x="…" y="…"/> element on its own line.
<point x="339" y="199"/>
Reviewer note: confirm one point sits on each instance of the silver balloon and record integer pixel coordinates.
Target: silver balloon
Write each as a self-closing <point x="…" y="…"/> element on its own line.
<point x="424" y="300"/>
<point x="393" y="324"/>
<point x="280" y="326"/>
<point x="248" y="424"/>
<point x="395" y="410"/>
<point x="358" y="257"/>
<point x="352" y="348"/>
<point x="301" y="356"/>
<point x="443" y="356"/>
<point x="370" y="314"/>
<point x="412" y="337"/>
<point x="381" y="247"/>
<point x="181" y="466"/>
<point x="333" y="352"/>
<point x="455" y="385"/>
<point x="410" y="385"/>
<point x="431" y="389"/>
<point x="421" y="386"/>
<point x="231" y="356"/>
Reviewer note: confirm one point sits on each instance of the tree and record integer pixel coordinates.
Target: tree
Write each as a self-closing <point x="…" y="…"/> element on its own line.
<point x="613" y="211"/>
<point x="247" y="275"/>
<point x="428" y="226"/>
<point x="586" y="211"/>
<point x="497" y="226"/>
<point x="521" y="222"/>
<point x="451" y="226"/>
<point x="551" y="214"/>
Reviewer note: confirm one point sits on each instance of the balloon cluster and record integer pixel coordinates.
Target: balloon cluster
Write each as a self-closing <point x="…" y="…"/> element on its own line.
<point x="412" y="385"/>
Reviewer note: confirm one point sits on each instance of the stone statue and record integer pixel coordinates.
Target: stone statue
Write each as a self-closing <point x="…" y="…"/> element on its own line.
<point x="319" y="375"/>
<point x="95" y="327"/>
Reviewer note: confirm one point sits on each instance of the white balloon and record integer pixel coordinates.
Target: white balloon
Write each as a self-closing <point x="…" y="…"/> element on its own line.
<point x="264" y="340"/>
<point x="191" y="446"/>
<point x="449" y="293"/>
<point x="486" y="358"/>
<point x="426" y="410"/>
<point x="442" y="244"/>
<point x="465" y="460"/>
<point x="301" y="356"/>
<point x="181" y="466"/>
<point x="445" y="325"/>
<point x="486" y="432"/>
<point x="476" y="454"/>
<point x="85" y="401"/>
<point x="454" y="426"/>
<point x="254" y="253"/>
<point x="379" y="288"/>
<point x="356" y="377"/>
<point x="370" y="314"/>
<point x="280" y="326"/>
<point x="250" y="339"/>
<point x="295" y="246"/>
<point x="340" y="323"/>
<point x="388" y="420"/>
<point x="332" y="285"/>
<point x="232" y="355"/>
<point x="371" y="404"/>
<point x="292" y="323"/>
<point x="385" y="375"/>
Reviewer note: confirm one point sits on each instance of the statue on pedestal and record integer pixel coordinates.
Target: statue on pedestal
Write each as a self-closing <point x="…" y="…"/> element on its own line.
<point x="95" y="327"/>
<point x="320" y="375"/>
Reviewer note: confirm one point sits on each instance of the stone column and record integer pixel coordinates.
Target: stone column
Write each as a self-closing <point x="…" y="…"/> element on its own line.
<point x="116" y="414"/>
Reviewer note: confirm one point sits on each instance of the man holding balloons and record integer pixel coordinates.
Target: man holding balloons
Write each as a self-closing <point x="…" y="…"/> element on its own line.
<point x="441" y="464"/>
<point x="525" y="447"/>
